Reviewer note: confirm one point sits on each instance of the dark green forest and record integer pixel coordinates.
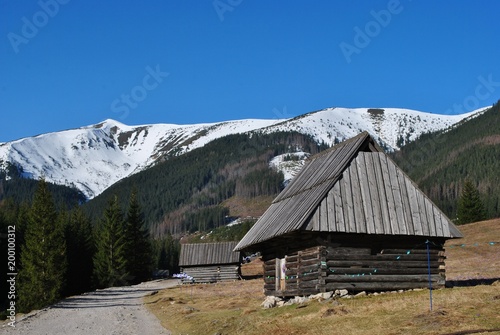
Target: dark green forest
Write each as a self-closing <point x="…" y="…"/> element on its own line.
<point x="57" y="252"/>
<point x="441" y="162"/>
<point x="19" y="189"/>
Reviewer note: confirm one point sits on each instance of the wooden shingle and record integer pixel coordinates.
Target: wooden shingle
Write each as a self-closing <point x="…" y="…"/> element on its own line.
<point x="208" y="254"/>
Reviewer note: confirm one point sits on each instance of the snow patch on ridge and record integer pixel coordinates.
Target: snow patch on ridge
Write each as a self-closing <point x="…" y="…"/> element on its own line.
<point x="289" y="164"/>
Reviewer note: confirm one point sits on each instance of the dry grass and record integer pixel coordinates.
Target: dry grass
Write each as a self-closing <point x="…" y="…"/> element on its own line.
<point x="234" y="308"/>
<point x="253" y="269"/>
<point x="476" y="258"/>
<point x="239" y="206"/>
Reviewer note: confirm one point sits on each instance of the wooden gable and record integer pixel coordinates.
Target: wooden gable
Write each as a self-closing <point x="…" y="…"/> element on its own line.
<point x="373" y="196"/>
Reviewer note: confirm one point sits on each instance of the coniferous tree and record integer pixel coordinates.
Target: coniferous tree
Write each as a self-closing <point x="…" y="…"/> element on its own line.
<point x="21" y="221"/>
<point x="43" y="255"/>
<point x="167" y="251"/>
<point x="110" y="265"/>
<point x="138" y="246"/>
<point x="174" y="251"/>
<point x="80" y="249"/>
<point x="470" y="207"/>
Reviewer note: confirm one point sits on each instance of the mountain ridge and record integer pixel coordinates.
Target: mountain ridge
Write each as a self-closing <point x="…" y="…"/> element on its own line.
<point x="92" y="158"/>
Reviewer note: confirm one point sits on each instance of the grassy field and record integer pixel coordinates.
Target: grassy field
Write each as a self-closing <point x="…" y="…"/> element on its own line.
<point x="473" y="256"/>
<point x="234" y="308"/>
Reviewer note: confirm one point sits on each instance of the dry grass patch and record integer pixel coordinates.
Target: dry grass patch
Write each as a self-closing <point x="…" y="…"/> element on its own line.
<point x="240" y="206"/>
<point x="234" y="308"/>
<point x="477" y="258"/>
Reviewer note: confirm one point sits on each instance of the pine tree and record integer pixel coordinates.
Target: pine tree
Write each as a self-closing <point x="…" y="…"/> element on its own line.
<point x="138" y="245"/>
<point x="470" y="206"/>
<point x="109" y="261"/>
<point x="43" y="255"/>
<point x="80" y="251"/>
<point x="167" y="251"/>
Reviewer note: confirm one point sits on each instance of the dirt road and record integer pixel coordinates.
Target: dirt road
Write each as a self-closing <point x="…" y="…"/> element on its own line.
<point x="117" y="310"/>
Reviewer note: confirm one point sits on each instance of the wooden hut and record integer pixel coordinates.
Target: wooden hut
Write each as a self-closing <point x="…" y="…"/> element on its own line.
<point x="351" y="219"/>
<point x="210" y="262"/>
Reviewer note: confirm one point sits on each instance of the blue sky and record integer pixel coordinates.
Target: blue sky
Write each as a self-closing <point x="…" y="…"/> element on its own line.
<point x="70" y="63"/>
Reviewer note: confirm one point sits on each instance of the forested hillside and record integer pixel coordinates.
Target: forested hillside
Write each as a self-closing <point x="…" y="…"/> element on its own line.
<point x="184" y="193"/>
<point x="14" y="187"/>
<point x="441" y="162"/>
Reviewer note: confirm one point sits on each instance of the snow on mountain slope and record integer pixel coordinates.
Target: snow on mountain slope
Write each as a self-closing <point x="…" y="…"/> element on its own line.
<point x="289" y="164"/>
<point x="392" y="127"/>
<point x="92" y="158"/>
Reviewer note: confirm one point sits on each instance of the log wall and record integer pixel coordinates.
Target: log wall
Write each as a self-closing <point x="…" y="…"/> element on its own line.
<point x="389" y="269"/>
<point x="212" y="274"/>
<point x="356" y="268"/>
<point x="302" y="275"/>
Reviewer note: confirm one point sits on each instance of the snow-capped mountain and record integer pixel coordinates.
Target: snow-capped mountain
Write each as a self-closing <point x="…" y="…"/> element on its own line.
<point x="92" y="158"/>
<point x="392" y="127"/>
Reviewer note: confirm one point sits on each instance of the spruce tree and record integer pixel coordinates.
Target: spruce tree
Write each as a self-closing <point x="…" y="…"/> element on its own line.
<point x="138" y="245"/>
<point x="22" y="222"/>
<point x="167" y="253"/>
<point x="174" y="250"/>
<point x="80" y="251"/>
<point x="470" y="206"/>
<point x="110" y="265"/>
<point x="43" y="255"/>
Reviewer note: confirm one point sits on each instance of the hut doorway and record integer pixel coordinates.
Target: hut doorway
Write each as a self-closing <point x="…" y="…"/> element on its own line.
<point x="280" y="274"/>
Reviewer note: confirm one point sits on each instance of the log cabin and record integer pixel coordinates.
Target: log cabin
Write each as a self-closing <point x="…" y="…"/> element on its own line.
<point x="210" y="262"/>
<point x="351" y="219"/>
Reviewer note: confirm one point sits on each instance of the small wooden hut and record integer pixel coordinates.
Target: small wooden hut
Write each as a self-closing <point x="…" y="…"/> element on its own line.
<point x="210" y="262"/>
<point x="351" y="219"/>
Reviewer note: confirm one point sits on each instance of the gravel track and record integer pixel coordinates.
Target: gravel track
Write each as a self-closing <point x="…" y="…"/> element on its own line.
<point x="116" y="310"/>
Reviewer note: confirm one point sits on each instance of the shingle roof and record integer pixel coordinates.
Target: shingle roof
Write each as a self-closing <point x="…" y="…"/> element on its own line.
<point x="351" y="188"/>
<point x="208" y="254"/>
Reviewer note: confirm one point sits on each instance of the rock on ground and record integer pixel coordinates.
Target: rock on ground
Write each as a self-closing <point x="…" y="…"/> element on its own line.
<point x="113" y="311"/>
